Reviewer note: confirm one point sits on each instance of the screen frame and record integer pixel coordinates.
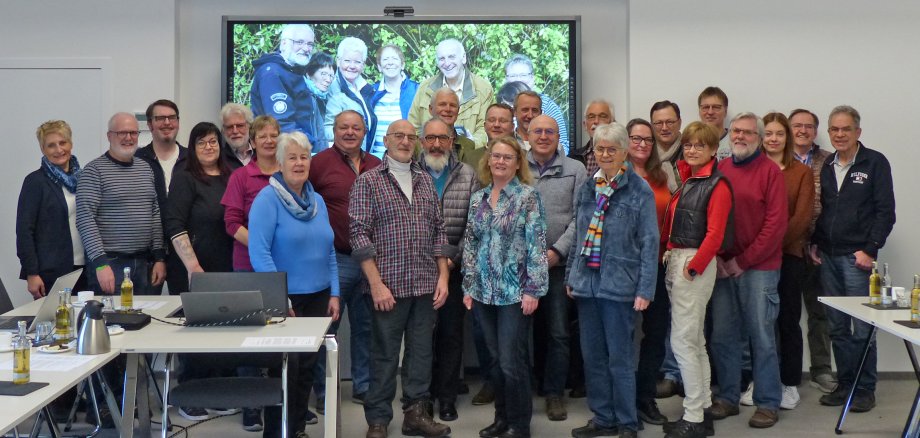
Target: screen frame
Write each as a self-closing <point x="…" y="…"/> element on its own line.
<point x="575" y="88"/>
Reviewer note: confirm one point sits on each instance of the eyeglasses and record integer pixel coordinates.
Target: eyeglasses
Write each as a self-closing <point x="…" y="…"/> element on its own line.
<point x="161" y="119"/>
<point x="601" y="116"/>
<point x="237" y="127"/>
<point x="301" y="43"/>
<point x="707" y="108"/>
<point x="401" y="136"/>
<point x="518" y="76"/>
<point x="325" y="75"/>
<point x="502" y="157"/>
<point x="125" y="134"/>
<point x="807" y="127"/>
<point x="606" y="151"/>
<point x="442" y="139"/>
<point x="637" y="140"/>
<point x="669" y="123"/>
<point x="204" y="143"/>
<point x="837" y="130"/>
<point x="746" y="132"/>
<point x="542" y="131"/>
<point x="693" y="146"/>
<point x="493" y="120"/>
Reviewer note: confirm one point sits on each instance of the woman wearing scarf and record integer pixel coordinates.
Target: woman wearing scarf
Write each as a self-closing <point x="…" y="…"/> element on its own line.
<point x="47" y="242"/>
<point x="289" y="232"/>
<point x="320" y="73"/>
<point x="504" y="255"/>
<point x="612" y="270"/>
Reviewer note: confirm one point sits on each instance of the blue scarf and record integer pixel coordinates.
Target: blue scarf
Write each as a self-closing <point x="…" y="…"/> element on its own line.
<point x="322" y="95"/>
<point x="301" y="207"/>
<point x="66" y="179"/>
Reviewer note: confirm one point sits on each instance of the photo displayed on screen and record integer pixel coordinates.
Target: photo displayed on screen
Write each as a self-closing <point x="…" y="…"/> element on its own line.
<point x="306" y="73"/>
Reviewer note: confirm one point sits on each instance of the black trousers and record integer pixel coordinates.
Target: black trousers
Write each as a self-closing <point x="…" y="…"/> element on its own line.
<point x="788" y="330"/>
<point x="448" y="342"/>
<point x="656" y="319"/>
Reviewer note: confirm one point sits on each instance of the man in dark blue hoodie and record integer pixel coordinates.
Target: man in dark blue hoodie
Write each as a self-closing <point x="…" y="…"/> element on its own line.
<point x="278" y="86"/>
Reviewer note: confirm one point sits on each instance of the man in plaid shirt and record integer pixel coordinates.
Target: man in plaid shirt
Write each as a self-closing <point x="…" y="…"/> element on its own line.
<point x="398" y="237"/>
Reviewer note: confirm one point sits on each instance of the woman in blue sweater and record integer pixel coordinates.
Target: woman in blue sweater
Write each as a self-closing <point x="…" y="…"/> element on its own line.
<point x="289" y="232"/>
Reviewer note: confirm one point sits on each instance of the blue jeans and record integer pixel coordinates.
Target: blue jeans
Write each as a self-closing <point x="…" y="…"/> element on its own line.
<point x="482" y="352"/>
<point x="744" y="311"/>
<point x="607" y="332"/>
<point x="359" y="318"/>
<point x="551" y="336"/>
<point x="840" y="277"/>
<point x="140" y="275"/>
<point x="506" y="330"/>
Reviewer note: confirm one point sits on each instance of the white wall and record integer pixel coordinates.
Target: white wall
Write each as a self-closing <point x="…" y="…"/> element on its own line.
<point x="786" y="54"/>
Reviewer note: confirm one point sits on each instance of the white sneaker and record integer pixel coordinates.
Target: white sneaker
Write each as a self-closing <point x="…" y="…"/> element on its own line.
<point x="791" y="398"/>
<point x="747" y="397"/>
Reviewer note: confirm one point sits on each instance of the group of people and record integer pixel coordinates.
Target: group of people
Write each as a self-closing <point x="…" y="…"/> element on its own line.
<point x="644" y="219"/>
<point x="305" y="91"/>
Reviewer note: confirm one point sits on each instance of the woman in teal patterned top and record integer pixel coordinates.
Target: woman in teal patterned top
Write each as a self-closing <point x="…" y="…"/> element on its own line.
<point x="505" y="272"/>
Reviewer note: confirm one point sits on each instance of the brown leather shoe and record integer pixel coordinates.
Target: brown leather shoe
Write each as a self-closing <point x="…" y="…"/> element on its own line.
<point x="763" y="418"/>
<point x="418" y="422"/>
<point x="721" y="409"/>
<point x="377" y="431"/>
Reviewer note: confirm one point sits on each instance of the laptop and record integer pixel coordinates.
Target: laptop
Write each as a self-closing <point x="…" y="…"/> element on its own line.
<point x="230" y="308"/>
<point x="273" y="286"/>
<point x="48" y="307"/>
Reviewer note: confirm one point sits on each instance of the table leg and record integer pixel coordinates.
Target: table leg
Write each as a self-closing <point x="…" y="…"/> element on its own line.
<point x="129" y="396"/>
<point x="333" y="401"/>
<point x="910" y="429"/>
<point x="862" y="362"/>
<point x="143" y="397"/>
<point x="114" y="409"/>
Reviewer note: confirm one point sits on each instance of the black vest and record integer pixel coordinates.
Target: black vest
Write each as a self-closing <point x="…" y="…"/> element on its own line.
<point x="688" y="229"/>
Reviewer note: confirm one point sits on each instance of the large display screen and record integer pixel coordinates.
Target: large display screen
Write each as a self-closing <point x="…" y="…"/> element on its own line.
<point x="304" y="72"/>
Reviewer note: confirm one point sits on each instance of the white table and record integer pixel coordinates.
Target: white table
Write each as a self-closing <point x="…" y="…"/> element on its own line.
<point x="884" y="320"/>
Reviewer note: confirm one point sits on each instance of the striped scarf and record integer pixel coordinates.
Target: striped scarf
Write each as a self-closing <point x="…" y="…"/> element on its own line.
<point x="591" y="249"/>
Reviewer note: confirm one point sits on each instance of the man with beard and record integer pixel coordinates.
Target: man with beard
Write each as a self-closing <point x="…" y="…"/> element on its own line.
<point x="597" y="112"/>
<point x="446" y="106"/>
<point x="740" y="317"/>
<point x="473" y="92"/>
<point x="527" y="105"/>
<point x="164" y="154"/>
<point x="235" y="121"/>
<point x="454" y="182"/>
<point x="278" y="85"/>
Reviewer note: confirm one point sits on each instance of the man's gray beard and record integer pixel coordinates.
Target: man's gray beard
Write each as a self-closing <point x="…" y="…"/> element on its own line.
<point x="237" y="148"/>
<point x="746" y="154"/>
<point x="434" y="163"/>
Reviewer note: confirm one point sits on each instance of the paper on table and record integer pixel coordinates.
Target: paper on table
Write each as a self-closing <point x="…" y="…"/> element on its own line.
<point x="57" y="362"/>
<point x="152" y="305"/>
<point x="276" y="341"/>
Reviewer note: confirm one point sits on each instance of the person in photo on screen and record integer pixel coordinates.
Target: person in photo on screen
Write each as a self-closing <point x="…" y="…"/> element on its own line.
<point x="393" y="94"/>
<point x="557" y="178"/>
<point x="857" y="215"/>
<point x="333" y="173"/>
<point x="278" y="86"/>
<point x="454" y="182"/>
<point x="696" y="227"/>
<point x="445" y="106"/>
<point x="320" y="74"/>
<point x="519" y="67"/>
<point x="474" y="93"/>
<point x="47" y="242"/>
<point x="509" y="91"/>
<point x="611" y="272"/>
<point x="526" y="106"/>
<point x="398" y="237"/>
<point x="289" y="232"/>
<point x="713" y="105"/>
<point x="505" y="276"/>
<point x="350" y="90"/>
<point x="235" y="121"/>
<point x="804" y="131"/>
<point x="800" y="195"/>
<point x="597" y="112"/>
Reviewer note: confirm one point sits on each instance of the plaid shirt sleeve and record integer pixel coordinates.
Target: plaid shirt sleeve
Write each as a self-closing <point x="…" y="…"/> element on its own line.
<point x="361" y="212"/>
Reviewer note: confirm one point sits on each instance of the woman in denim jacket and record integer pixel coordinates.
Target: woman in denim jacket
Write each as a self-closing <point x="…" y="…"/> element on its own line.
<point x="612" y="268"/>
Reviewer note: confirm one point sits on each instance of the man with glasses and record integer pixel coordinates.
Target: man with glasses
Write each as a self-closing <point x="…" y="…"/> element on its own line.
<point x="520" y="68"/>
<point x="597" y="112"/>
<point x="118" y="215"/>
<point x="527" y="105"/>
<point x="164" y="154"/>
<point x="665" y="117"/>
<point x="804" y="131"/>
<point x="278" y="86"/>
<point x="857" y="215"/>
<point x="235" y="121"/>
<point x="398" y="237"/>
<point x="713" y="104"/>
<point x="499" y="121"/>
<point x="557" y="178"/>
<point x="445" y="105"/>
<point x="454" y="182"/>
<point x="473" y="92"/>
<point x="745" y="301"/>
